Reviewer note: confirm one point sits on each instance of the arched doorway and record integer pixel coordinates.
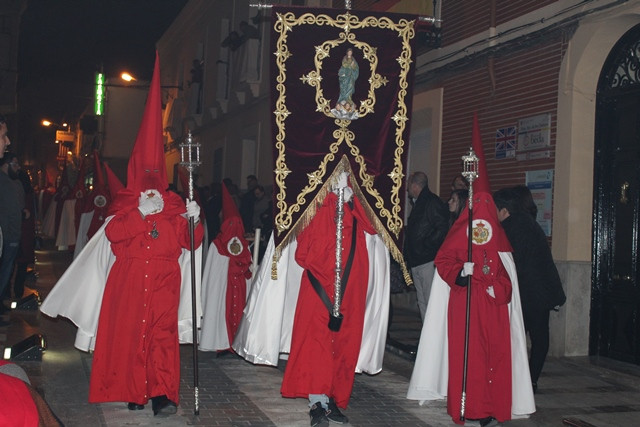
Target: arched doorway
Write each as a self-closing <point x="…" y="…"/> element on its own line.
<point x="615" y="296"/>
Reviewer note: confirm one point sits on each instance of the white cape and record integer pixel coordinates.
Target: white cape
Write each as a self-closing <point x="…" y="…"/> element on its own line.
<point x="429" y="379"/>
<point x="78" y="293"/>
<point x="213" y="335"/>
<point x="67" y="230"/>
<point x="267" y="321"/>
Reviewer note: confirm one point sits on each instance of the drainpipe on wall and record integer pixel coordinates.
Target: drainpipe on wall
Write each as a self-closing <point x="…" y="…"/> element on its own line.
<point x="492" y="42"/>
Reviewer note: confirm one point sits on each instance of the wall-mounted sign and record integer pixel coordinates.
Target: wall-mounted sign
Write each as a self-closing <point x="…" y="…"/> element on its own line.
<point x="506" y="142"/>
<point x="534" y="132"/>
<point x="65" y="136"/>
<point x="99" y="98"/>
<point x="540" y="183"/>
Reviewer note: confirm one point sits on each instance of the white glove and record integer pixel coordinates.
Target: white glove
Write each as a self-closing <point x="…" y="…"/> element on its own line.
<point x="193" y="210"/>
<point x="343" y="183"/>
<point x="150" y="202"/>
<point x="491" y="292"/>
<point x="467" y="269"/>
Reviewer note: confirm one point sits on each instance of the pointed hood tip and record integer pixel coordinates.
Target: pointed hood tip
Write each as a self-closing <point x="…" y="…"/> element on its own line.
<point x="97" y="170"/>
<point x="229" y="208"/>
<point x="113" y="182"/>
<point x="147" y="168"/>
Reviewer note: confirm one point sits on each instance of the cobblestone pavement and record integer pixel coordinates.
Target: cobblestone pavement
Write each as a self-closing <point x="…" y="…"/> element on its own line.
<point x="233" y="392"/>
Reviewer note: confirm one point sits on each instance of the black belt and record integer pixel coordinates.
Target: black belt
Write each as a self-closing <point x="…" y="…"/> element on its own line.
<point x="336" y="321"/>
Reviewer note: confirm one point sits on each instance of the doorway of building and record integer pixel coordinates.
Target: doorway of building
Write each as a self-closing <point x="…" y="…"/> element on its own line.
<point x="615" y="296"/>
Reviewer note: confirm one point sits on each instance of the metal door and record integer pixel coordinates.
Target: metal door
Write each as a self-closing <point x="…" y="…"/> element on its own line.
<point x="615" y="297"/>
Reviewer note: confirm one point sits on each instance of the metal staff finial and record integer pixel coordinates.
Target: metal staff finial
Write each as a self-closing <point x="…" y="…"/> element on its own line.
<point x="470" y="171"/>
<point x="190" y="163"/>
<point x="187" y="159"/>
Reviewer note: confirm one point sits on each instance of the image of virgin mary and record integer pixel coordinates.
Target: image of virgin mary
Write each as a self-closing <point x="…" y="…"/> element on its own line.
<point x="347" y="75"/>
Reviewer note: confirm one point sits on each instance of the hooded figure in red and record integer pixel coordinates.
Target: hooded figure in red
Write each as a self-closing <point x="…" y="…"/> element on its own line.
<point x="231" y="243"/>
<point x="99" y="199"/>
<point x="136" y="354"/>
<point x="322" y="361"/>
<point x="80" y="192"/>
<point x="488" y="385"/>
<point x="93" y="211"/>
<point x="225" y="280"/>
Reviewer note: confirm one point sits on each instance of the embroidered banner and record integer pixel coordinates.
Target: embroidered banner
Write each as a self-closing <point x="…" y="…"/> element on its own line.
<point x="341" y="97"/>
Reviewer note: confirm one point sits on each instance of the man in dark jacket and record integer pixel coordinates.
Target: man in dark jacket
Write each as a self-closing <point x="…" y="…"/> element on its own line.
<point x="540" y="286"/>
<point x="427" y="227"/>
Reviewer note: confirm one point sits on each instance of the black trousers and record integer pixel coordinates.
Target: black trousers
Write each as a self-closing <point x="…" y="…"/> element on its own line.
<point x="536" y="323"/>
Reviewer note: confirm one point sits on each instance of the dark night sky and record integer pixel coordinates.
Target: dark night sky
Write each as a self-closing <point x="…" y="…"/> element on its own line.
<point x="62" y="43"/>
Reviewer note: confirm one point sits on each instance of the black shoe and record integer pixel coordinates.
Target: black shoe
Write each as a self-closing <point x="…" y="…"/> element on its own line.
<point x="334" y="415"/>
<point x="318" y="416"/>
<point x="162" y="406"/>
<point x="488" y="422"/>
<point x="134" y="406"/>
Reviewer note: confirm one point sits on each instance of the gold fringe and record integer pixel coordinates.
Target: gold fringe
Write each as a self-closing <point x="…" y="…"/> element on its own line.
<point x="306" y="217"/>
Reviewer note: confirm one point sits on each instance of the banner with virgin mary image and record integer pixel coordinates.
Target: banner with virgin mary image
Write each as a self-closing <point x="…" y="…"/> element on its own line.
<point x="341" y="98"/>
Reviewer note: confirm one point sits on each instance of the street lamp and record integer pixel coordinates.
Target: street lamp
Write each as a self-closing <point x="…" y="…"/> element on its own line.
<point x="127" y="77"/>
<point x="48" y="123"/>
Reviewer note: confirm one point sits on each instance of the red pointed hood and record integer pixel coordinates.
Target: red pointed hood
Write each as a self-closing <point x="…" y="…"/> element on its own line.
<point x="64" y="189"/>
<point x="99" y="181"/>
<point x="113" y="182"/>
<point x="79" y="190"/>
<point x="487" y="231"/>
<point x="147" y="168"/>
<point x="229" y="208"/>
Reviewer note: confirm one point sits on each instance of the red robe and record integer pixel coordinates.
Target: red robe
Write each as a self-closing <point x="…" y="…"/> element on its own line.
<point x="322" y="361"/>
<point x="488" y="390"/>
<point x="238" y="272"/>
<point x="137" y="352"/>
<point x="17" y="407"/>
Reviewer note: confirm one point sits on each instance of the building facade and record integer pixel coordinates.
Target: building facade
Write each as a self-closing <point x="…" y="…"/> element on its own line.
<point x="554" y="84"/>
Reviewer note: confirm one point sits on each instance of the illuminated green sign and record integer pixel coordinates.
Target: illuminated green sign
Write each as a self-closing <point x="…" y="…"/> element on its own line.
<point x="99" y="106"/>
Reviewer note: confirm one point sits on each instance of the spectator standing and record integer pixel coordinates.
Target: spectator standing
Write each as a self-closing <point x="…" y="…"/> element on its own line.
<point x="526" y="200"/>
<point x="459" y="183"/>
<point x="212" y="208"/>
<point x="540" y="284"/>
<point x="11" y="206"/>
<point x="261" y="204"/>
<point x="246" y="203"/>
<point x="457" y="202"/>
<point x="427" y="227"/>
<point x="26" y="253"/>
